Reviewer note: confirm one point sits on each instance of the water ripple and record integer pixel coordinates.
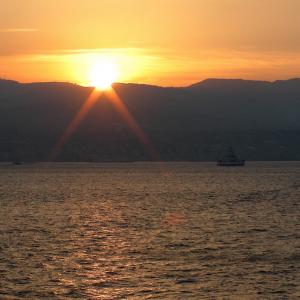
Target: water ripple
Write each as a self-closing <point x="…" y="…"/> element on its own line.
<point x="127" y="231"/>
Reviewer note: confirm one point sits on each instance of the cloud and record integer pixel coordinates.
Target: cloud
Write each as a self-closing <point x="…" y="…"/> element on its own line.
<point x="16" y="30"/>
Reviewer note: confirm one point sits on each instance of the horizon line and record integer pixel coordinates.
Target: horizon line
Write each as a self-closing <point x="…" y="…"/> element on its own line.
<point x="153" y="85"/>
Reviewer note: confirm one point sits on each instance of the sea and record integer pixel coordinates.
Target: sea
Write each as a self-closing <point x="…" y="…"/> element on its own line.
<point x="150" y="231"/>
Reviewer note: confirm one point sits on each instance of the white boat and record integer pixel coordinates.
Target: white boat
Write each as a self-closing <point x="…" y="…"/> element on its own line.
<point x="231" y="160"/>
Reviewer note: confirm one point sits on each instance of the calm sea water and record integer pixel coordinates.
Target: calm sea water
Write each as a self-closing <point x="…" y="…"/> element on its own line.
<point x="150" y="231"/>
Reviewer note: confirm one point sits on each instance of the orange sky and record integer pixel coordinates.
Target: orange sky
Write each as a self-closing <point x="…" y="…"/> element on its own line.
<point x="164" y="42"/>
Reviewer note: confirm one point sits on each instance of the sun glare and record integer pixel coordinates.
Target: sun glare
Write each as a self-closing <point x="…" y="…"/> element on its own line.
<point x="103" y="74"/>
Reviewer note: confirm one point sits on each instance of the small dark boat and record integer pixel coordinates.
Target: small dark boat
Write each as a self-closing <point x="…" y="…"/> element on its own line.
<point x="17" y="162"/>
<point x="231" y="160"/>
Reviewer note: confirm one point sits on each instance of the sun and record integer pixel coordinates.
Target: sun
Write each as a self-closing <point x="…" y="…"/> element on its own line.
<point x="103" y="74"/>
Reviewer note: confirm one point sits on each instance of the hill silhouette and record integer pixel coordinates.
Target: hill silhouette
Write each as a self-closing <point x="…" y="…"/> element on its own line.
<point x="260" y="119"/>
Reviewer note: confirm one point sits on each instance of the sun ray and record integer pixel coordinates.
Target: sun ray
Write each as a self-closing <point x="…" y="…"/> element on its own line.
<point x="103" y="86"/>
<point x="75" y="122"/>
<point x="132" y="124"/>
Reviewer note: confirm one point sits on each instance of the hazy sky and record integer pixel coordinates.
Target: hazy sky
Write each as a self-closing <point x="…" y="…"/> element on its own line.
<point x="167" y="42"/>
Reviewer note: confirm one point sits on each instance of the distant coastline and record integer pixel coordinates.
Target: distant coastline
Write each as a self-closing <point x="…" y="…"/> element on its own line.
<point x="259" y="119"/>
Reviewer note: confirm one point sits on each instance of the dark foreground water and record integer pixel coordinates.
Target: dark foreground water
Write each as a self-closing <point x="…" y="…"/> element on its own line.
<point x="149" y="231"/>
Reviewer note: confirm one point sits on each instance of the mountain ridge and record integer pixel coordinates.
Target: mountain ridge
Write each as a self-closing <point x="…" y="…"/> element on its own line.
<point x="202" y="82"/>
<point x="221" y="110"/>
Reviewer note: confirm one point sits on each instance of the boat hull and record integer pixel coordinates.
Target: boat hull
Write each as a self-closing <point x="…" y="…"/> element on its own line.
<point x="238" y="163"/>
